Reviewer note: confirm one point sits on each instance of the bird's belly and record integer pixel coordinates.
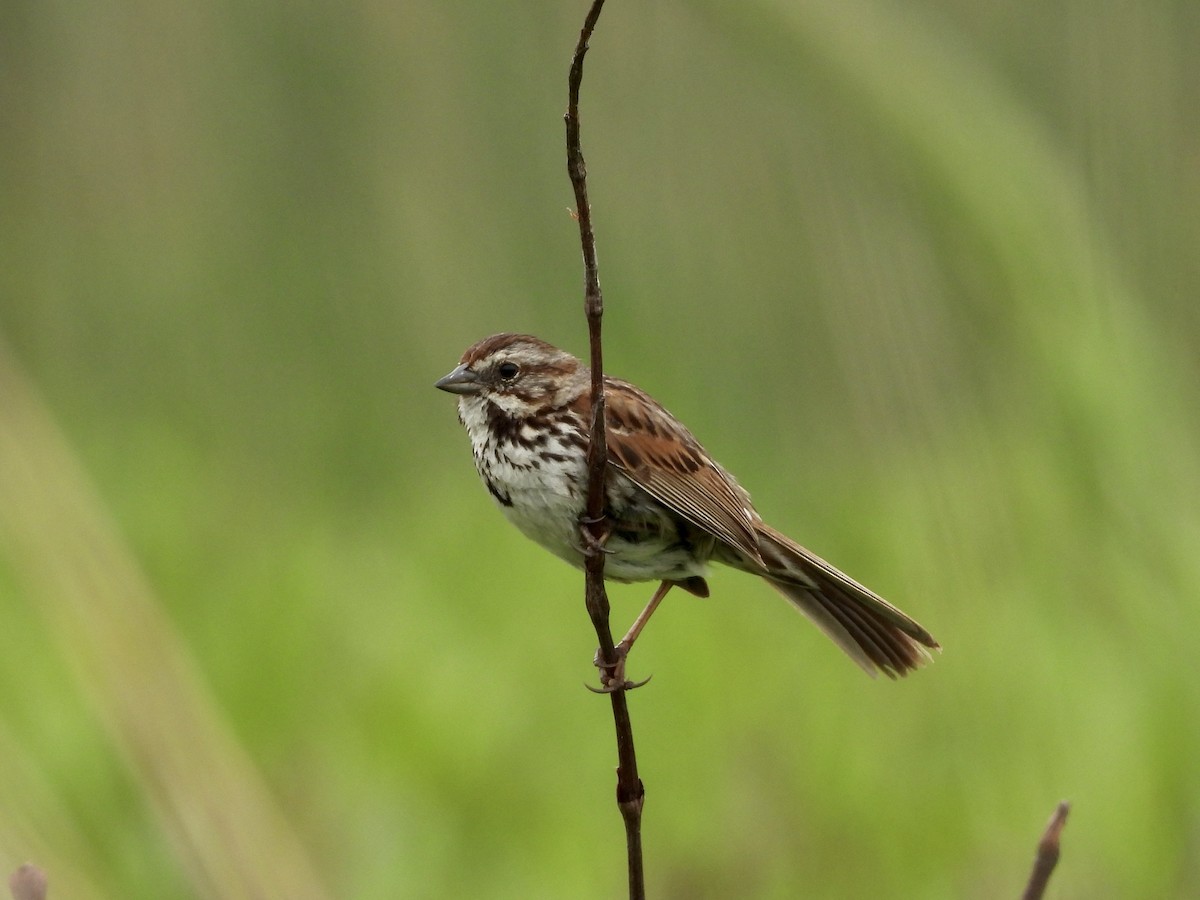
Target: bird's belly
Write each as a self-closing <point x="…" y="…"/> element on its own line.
<point x="645" y="543"/>
<point x="627" y="561"/>
<point x="548" y="519"/>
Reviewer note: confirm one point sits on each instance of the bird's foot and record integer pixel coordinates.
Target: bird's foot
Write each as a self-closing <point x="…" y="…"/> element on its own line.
<point x="612" y="675"/>
<point x="594" y="541"/>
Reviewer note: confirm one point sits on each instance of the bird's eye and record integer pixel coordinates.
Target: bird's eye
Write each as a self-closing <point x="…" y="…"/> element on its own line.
<point x="508" y="370"/>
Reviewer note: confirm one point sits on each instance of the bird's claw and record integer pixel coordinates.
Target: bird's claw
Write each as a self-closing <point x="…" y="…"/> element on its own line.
<point x="612" y="677"/>
<point x="614" y="686"/>
<point x="593" y="544"/>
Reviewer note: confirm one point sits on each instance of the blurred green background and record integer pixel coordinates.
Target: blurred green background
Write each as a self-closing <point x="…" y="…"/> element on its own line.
<point x="924" y="275"/>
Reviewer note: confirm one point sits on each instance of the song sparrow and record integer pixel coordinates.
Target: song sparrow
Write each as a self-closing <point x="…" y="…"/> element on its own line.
<point x="672" y="507"/>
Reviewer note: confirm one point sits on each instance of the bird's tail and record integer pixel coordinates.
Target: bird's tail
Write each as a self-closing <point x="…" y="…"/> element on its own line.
<point x="875" y="634"/>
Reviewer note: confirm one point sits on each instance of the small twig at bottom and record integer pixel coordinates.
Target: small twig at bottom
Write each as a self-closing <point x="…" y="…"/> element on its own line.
<point x="1047" y="854"/>
<point x="28" y="883"/>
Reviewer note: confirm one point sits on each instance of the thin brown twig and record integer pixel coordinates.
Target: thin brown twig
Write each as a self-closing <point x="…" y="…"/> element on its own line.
<point x="1047" y="854"/>
<point x="630" y="792"/>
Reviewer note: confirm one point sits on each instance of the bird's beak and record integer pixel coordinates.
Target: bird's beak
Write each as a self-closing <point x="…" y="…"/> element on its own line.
<point x="461" y="381"/>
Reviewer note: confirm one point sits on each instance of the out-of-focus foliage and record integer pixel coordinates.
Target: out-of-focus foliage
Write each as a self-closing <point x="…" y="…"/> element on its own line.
<point x="923" y="274"/>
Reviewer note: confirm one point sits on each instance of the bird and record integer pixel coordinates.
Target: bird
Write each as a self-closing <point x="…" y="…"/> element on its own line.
<point x="671" y="509"/>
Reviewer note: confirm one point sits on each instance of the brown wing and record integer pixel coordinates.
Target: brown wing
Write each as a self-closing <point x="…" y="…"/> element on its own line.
<point x="662" y="457"/>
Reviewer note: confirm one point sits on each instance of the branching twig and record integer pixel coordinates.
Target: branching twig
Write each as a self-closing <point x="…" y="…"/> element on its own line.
<point x="630" y="792"/>
<point x="1047" y="854"/>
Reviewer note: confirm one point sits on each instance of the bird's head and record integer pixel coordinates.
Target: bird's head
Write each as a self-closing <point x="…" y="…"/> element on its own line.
<point x="518" y="373"/>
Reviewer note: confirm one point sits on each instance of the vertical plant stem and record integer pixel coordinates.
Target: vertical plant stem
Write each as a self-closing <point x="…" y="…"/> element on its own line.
<point x="630" y="792"/>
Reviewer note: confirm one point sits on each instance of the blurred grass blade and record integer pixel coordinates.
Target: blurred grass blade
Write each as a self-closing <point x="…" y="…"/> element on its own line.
<point x="1085" y="351"/>
<point x="221" y="821"/>
<point x="983" y="151"/>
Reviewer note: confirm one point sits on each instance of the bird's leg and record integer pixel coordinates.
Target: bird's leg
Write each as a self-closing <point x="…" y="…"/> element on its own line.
<point x="616" y="675"/>
<point x="626" y="643"/>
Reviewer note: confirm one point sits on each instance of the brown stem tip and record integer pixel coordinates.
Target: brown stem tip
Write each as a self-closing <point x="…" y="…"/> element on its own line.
<point x="1047" y="853"/>
<point x="28" y="883"/>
